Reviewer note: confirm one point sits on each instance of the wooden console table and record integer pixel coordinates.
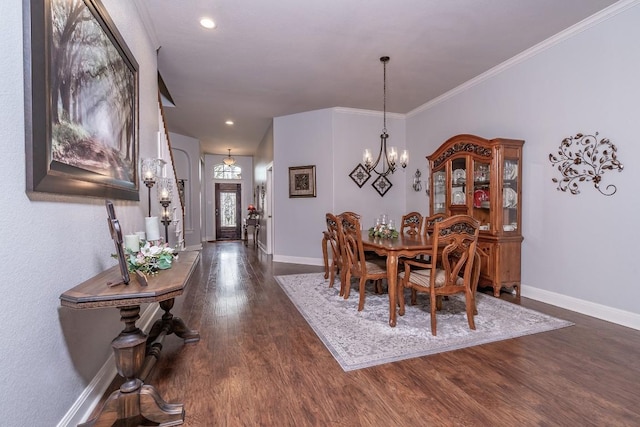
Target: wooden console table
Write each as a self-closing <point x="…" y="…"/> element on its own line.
<point x="136" y="403"/>
<point x="255" y="223"/>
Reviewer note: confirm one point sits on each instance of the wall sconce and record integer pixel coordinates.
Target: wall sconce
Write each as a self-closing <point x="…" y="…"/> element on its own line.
<point x="263" y="191"/>
<point x="417" y="184"/>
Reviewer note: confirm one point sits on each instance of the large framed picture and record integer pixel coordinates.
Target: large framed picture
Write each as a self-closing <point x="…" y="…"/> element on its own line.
<point x="302" y="181"/>
<point x="81" y="102"/>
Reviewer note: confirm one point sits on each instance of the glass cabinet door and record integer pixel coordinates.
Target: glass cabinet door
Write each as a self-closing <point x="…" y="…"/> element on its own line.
<point x="510" y="191"/>
<point x="439" y="195"/>
<point x="458" y="187"/>
<point x="482" y="194"/>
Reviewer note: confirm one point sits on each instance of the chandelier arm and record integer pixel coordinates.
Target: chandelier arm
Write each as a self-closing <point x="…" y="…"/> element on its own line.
<point x="387" y="165"/>
<point x="382" y="148"/>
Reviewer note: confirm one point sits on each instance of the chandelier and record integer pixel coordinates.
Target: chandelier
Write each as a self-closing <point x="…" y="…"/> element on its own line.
<point x="389" y="158"/>
<point x="229" y="161"/>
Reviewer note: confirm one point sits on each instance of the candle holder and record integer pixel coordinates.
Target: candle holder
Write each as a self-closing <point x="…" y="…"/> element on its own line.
<point x="166" y="220"/>
<point x="150" y="170"/>
<point x="165" y="194"/>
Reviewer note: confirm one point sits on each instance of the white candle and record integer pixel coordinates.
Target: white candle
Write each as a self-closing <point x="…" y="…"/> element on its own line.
<point x="141" y="235"/>
<point x="132" y="242"/>
<point x="152" y="225"/>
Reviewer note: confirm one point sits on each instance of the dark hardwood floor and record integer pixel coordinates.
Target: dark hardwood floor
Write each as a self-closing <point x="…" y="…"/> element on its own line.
<point x="258" y="363"/>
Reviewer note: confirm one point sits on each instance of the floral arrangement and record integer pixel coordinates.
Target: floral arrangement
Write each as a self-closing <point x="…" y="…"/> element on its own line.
<point x="150" y="259"/>
<point x="384" y="231"/>
<point x="252" y="211"/>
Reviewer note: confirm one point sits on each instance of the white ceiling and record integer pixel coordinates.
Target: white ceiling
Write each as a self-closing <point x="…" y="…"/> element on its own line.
<point x="269" y="58"/>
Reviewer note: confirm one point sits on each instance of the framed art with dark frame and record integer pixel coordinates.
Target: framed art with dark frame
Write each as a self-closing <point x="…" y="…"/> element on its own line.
<point x="360" y="175"/>
<point x="81" y="102"/>
<point x="302" y="181"/>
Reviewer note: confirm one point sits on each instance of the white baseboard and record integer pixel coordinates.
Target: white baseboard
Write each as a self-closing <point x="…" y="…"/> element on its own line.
<point x="599" y="311"/>
<point x="298" y="260"/>
<point x="91" y="395"/>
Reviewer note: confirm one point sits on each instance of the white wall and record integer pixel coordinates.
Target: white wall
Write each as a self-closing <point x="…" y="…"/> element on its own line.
<point x="576" y="247"/>
<point x="208" y="188"/>
<point x="262" y="159"/>
<point x="333" y="140"/>
<point x="49" y="354"/>
<point x="186" y="155"/>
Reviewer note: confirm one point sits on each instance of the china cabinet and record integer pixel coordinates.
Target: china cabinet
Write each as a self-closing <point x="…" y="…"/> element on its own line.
<point x="483" y="178"/>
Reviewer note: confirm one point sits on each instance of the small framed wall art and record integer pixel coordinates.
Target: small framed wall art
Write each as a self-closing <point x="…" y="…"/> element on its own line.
<point x="302" y="181"/>
<point x="360" y="175"/>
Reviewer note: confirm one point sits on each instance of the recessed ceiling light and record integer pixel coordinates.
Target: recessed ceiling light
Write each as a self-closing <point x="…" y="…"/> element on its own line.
<point x="229" y="122"/>
<point x="207" y="23"/>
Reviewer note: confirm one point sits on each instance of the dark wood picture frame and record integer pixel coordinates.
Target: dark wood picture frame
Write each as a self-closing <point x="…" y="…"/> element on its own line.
<point x="302" y="181"/>
<point x="81" y="102"/>
<point x="116" y="234"/>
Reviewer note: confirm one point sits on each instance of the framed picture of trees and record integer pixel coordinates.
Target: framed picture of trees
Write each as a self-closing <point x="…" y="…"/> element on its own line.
<point x="81" y="102"/>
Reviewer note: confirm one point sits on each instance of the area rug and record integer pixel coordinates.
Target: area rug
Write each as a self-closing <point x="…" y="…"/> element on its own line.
<point x="363" y="339"/>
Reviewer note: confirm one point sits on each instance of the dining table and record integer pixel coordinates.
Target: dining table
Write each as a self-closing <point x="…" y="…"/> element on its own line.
<point x="403" y="246"/>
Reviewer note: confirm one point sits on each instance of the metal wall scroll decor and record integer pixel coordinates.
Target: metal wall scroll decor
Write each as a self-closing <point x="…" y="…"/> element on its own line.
<point x="584" y="158"/>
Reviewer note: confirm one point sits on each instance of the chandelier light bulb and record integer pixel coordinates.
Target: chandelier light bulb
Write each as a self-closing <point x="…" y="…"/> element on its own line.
<point x="393" y="156"/>
<point x="404" y="158"/>
<point x="367" y="158"/>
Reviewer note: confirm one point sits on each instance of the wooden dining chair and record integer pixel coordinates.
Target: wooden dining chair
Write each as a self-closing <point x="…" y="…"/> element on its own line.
<point x="430" y="222"/>
<point x="427" y="230"/>
<point x="335" y="240"/>
<point x="453" y="267"/>
<point x="350" y="213"/>
<point x="411" y="224"/>
<point x="355" y="263"/>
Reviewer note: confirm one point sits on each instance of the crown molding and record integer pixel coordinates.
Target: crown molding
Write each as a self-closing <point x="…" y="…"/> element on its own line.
<point x="581" y="26"/>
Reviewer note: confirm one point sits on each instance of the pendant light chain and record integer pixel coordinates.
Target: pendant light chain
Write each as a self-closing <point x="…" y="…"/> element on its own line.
<point x="385" y="59"/>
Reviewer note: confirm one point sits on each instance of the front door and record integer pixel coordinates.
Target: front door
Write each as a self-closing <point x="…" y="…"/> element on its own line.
<point x="228" y="218"/>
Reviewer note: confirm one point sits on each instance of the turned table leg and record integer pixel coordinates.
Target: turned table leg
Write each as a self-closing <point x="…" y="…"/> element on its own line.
<point x="134" y="403"/>
<point x="167" y="325"/>
<point x="392" y="282"/>
<point x="325" y="254"/>
<point x="173" y="325"/>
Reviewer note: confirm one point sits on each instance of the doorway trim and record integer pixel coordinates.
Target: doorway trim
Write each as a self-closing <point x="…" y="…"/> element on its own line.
<point x="270" y="211"/>
<point x="227" y="233"/>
